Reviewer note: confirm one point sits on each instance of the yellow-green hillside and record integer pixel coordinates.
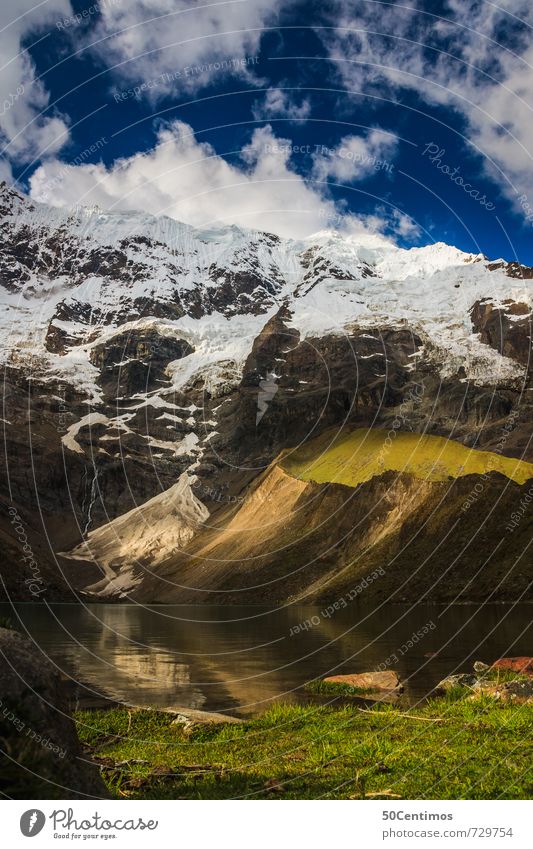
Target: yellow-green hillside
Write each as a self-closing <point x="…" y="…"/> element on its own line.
<point x="353" y="457"/>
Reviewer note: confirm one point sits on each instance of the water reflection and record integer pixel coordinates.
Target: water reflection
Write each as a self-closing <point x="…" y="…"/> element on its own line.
<point x="243" y="658"/>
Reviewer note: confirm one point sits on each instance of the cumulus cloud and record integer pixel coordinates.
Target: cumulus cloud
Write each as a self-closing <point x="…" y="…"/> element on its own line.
<point x="25" y="132"/>
<point x="191" y="44"/>
<point x="186" y="179"/>
<point x="278" y="103"/>
<point x="356" y="158"/>
<point x="476" y="59"/>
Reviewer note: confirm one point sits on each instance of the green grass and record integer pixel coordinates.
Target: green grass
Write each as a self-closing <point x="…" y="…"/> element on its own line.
<point x="502" y="676"/>
<point x="449" y="748"/>
<point x="353" y="457"/>
<point x="338" y="688"/>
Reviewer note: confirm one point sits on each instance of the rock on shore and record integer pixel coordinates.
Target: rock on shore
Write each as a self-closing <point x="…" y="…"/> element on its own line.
<point x="40" y="754"/>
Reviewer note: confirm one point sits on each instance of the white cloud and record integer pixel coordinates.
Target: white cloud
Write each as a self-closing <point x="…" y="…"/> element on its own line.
<point x="356" y="158"/>
<point x="478" y="61"/>
<point x="281" y="104"/>
<point x="402" y="225"/>
<point x="26" y="134"/>
<point x="193" y="44"/>
<point x="185" y="179"/>
<point x="5" y="171"/>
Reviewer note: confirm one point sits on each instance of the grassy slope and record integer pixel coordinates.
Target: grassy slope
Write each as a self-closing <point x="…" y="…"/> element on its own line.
<point x="354" y="457"/>
<point x="477" y="749"/>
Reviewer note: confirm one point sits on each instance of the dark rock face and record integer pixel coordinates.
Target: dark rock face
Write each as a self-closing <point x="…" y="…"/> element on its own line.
<point x="505" y="328"/>
<point x="319" y="267"/>
<point x="34" y="473"/>
<point x="302" y="387"/>
<point x="40" y="756"/>
<point x="135" y="361"/>
<point x="58" y="340"/>
<point x="240" y="292"/>
<point x="29" y="569"/>
<point x="87" y="320"/>
<point x="513" y="269"/>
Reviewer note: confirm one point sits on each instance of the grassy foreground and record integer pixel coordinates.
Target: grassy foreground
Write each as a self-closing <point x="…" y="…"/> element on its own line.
<point x="448" y="748"/>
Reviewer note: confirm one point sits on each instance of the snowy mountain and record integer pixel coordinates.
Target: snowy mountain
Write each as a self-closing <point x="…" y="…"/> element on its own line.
<point x="70" y="278"/>
<point x="139" y="352"/>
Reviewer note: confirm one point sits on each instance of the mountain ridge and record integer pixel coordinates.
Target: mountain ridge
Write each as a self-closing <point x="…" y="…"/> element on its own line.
<point x="138" y="350"/>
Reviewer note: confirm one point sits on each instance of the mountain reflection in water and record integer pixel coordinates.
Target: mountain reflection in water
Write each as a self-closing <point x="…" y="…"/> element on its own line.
<point x="241" y="659"/>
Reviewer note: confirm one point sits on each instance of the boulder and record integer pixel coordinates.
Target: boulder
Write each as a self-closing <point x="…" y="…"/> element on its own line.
<point x="480" y="683"/>
<point x="463" y="679"/>
<point x="521" y="665"/>
<point x="515" y="692"/>
<point x="40" y="754"/>
<point x="371" y="681"/>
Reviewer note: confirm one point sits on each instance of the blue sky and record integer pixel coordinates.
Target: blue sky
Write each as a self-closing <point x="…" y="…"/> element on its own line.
<point x="411" y="119"/>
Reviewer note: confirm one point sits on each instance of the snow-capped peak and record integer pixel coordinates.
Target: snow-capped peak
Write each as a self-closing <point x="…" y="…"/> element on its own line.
<point x="66" y="276"/>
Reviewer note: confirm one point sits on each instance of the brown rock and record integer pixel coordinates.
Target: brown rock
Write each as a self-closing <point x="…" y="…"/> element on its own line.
<point x="522" y="665"/>
<point x="387" y="680"/>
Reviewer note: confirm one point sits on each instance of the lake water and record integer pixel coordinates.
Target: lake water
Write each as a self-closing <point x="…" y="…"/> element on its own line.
<point x="241" y="659"/>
